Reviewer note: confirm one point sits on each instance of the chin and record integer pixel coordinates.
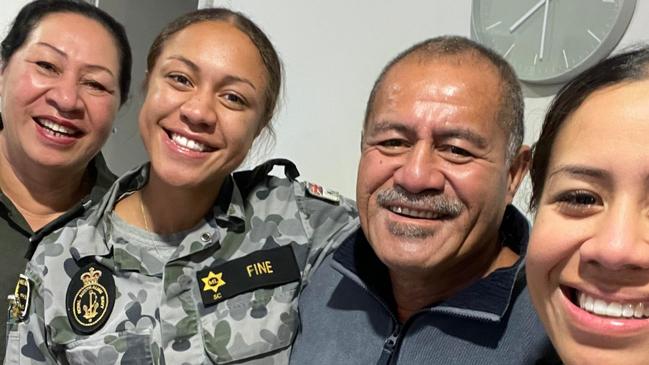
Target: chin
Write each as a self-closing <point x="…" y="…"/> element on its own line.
<point x="576" y="354"/>
<point x="61" y="161"/>
<point x="182" y="178"/>
<point x="407" y="259"/>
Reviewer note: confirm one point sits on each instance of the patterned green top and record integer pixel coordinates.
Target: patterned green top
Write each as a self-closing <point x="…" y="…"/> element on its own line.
<point x="227" y="294"/>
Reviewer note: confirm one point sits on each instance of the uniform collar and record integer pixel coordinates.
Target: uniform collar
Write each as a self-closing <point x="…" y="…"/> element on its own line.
<point x="486" y="299"/>
<point x="93" y="232"/>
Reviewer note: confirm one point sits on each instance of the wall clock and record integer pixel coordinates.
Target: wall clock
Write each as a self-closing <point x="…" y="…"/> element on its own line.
<point x="550" y="41"/>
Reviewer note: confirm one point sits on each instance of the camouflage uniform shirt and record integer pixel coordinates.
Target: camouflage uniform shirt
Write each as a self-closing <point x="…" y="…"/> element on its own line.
<point x="261" y="228"/>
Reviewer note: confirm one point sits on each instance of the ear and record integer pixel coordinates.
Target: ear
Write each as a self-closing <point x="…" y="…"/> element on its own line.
<point x="2" y="75"/>
<point x="517" y="170"/>
<point x="260" y="128"/>
<point x="362" y="139"/>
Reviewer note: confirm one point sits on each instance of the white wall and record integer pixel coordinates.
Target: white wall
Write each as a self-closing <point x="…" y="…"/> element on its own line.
<point x="8" y="12"/>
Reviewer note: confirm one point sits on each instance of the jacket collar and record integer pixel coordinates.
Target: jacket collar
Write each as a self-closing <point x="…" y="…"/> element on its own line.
<point x="486" y="299"/>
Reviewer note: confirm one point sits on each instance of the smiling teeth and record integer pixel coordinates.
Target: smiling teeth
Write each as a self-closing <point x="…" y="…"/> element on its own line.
<point x="413" y="213"/>
<point x="188" y="143"/>
<point x="613" y="309"/>
<point x="55" y="127"/>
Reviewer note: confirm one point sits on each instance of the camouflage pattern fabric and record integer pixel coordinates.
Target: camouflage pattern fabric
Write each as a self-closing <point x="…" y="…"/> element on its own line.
<point x="158" y="315"/>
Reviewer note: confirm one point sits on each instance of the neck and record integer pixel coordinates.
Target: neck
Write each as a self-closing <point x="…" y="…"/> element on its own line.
<point x="41" y="194"/>
<point x="414" y="291"/>
<point x="165" y="209"/>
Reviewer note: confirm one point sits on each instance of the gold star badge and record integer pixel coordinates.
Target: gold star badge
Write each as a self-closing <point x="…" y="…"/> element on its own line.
<point x="213" y="282"/>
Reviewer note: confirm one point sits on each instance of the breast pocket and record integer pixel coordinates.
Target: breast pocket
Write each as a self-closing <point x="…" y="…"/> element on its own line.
<point x="251" y="324"/>
<point x="124" y="348"/>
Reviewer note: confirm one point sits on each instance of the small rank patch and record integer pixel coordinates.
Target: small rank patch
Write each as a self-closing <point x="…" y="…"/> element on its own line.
<point x="319" y="192"/>
<point x="20" y="300"/>
<point x="90" y="298"/>
<point x="260" y="269"/>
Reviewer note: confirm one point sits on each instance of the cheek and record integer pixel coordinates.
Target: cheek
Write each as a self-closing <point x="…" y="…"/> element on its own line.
<point x="156" y="104"/>
<point x="241" y="130"/>
<point x="19" y="89"/>
<point x="144" y="123"/>
<point x="553" y="241"/>
<point x="103" y="112"/>
<point x="374" y="171"/>
<point x="18" y="99"/>
<point x="476" y="185"/>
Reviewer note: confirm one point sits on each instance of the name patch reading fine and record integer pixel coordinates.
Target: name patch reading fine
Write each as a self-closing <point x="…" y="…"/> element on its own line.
<point x="260" y="269"/>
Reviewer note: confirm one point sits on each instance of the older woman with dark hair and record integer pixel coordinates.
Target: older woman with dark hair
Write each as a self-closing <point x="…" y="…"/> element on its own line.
<point x="65" y="72"/>
<point x="588" y="261"/>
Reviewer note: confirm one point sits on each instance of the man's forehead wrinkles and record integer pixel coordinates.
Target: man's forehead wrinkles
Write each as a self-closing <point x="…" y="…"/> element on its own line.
<point x="450" y="92"/>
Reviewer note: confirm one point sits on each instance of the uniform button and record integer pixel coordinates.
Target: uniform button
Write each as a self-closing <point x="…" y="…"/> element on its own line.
<point x="206" y="237"/>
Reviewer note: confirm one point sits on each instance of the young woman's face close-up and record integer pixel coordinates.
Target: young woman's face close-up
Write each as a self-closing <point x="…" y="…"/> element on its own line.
<point x="588" y="261"/>
<point x="204" y="104"/>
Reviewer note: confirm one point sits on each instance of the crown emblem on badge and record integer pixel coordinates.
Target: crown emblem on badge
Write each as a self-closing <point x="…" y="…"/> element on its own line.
<point x="91" y="277"/>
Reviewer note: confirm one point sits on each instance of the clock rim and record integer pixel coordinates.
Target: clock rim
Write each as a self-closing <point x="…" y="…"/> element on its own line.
<point x="605" y="48"/>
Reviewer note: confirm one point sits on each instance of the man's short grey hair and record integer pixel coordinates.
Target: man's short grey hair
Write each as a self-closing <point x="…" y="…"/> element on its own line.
<point x="512" y="105"/>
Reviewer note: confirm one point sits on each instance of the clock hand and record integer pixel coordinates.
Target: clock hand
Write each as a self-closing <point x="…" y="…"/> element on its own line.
<point x="526" y="15"/>
<point x="545" y="25"/>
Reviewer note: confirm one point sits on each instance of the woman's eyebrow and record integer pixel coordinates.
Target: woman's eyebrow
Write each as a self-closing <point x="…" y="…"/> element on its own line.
<point x="227" y="79"/>
<point x="65" y="55"/>
<point x="582" y="172"/>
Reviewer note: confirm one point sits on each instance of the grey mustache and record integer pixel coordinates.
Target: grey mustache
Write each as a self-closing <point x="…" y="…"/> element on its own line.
<point x="440" y="205"/>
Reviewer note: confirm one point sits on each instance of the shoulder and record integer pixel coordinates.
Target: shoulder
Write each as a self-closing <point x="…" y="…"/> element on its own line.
<point x="290" y="201"/>
<point x="259" y="186"/>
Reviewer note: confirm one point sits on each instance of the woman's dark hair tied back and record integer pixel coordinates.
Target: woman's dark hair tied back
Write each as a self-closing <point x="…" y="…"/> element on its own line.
<point x="630" y="65"/>
<point x="31" y="14"/>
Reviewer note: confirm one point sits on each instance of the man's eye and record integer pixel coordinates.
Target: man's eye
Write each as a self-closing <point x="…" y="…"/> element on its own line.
<point x="391" y="143"/>
<point x="455" y="154"/>
<point x="459" y="151"/>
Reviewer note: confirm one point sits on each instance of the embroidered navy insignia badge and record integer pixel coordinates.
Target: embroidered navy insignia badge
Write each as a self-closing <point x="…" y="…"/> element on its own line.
<point x="90" y="298"/>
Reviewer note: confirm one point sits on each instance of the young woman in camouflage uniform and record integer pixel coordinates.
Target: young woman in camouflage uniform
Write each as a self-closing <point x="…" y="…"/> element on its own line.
<point x="184" y="262"/>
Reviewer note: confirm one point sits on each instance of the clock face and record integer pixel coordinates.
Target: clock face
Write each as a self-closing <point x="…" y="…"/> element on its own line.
<point x="550" y="41"/>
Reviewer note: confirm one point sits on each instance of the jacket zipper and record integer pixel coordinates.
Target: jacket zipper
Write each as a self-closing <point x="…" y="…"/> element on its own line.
<point x="391" y="342"/>
<point x="389" y="346"/>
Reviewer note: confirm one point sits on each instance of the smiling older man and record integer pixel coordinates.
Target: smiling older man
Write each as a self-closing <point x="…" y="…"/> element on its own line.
<point x="434" y="274"/>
